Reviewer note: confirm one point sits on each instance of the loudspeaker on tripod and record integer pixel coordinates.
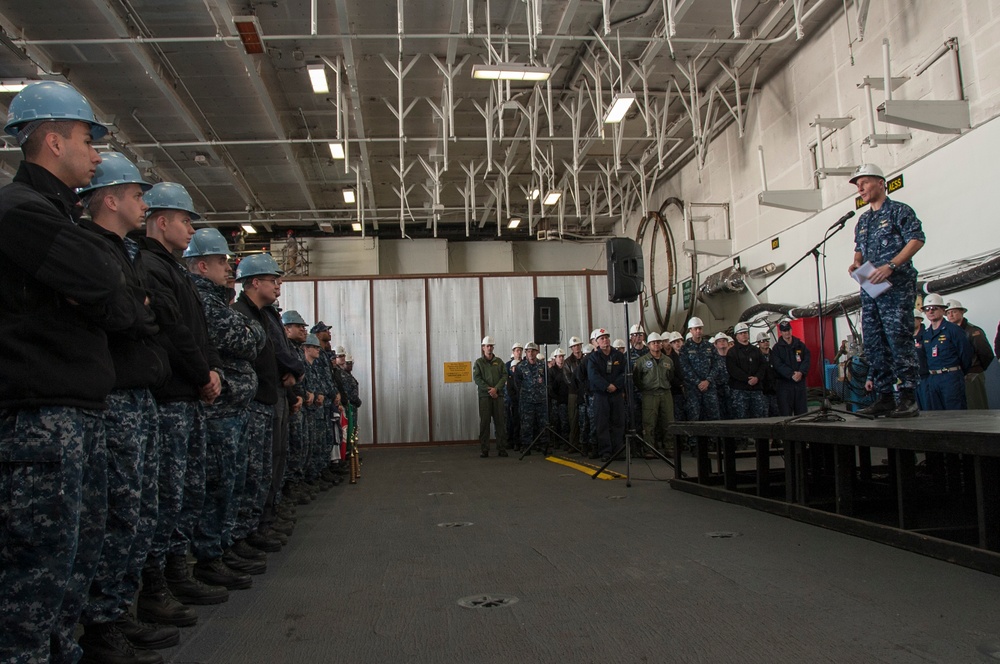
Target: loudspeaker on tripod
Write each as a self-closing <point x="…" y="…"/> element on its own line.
<point x="546" y="320"/>
<point x="625" y="269"/>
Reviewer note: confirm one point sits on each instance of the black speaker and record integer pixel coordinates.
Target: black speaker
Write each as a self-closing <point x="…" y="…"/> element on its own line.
<point x="625" y="271"/>
<point x="546" y="320"/>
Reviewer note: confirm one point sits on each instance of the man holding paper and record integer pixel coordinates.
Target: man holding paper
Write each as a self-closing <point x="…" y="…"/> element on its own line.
<point x="886" y="238"/>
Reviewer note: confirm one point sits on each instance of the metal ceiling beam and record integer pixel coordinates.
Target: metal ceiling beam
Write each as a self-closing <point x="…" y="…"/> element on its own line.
<point x="167" y="88"/>
<point x="264" y="98"/>
<point x="351" y="65"/>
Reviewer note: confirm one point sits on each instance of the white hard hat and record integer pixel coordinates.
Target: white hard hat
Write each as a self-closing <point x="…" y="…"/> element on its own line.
<point x="636" y="329"/>
<point x="349" y="358"/>
<point x="653" y="336"/>
<point x="517" y="344"/>
<point x="917" y="313"/>
<point x="574" y="341"/>
<point x="954" y="304"/>
<point x="763" y="336"/>
<point x="688" y="336"/>
<point x="531" y="346"/>
<point x="741" y="327"/>
<point x="599" y="332"/>
<point x="695" y="322"/>
<point x="587" y="349"/>
<point x="675" y="336"/>
<point x="488" y="341"/>
<point x="867" y="169"/>
<point x="558" y="351"/>
<point x="339" y="350"/>
<point x="619" y="343"/>
<point x="933" y="300"/>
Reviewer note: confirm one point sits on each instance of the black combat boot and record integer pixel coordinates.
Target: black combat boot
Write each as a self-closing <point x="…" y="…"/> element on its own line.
<point x="217" y="573"/>
<point x="157" y="604"/>
<point x="240" y="564"/>
<point x="146" y="635"/>
<point x="244" y="550"/>
<point x="259" y="541"/>
<point x="104" y="643"/>
<point x="885" y="405"/>
<point x="281" y="526"/>
<point x="907" y="406"/>
<point x="189" y="590"/>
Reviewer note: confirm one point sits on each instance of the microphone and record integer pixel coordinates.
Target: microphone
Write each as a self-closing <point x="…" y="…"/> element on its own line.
<point x="843" y="220"/>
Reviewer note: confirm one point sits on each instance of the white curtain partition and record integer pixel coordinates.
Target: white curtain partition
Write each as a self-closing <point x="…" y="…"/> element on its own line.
<point x="508" y="311"/>
<point x="400" y="363"/>
<point x="572" y="294"/>
<point x="607" y="314"/>
<point x="454" y="337"/>
<point x="299" y="296"/>
<point x="346" y="307"/>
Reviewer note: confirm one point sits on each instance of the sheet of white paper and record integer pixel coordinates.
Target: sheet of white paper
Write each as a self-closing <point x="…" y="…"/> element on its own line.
<point x="863" y="273"/>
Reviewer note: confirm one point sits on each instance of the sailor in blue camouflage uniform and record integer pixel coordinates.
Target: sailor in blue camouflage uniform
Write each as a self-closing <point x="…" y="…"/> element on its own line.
<point x="332" y="406"/>
<point x="888" y="235"/>
<point x="195" y="380"/>
<point x="720" y="375"/>
<point x="918" y="344"/>
<point x="585" y="405"/>
<point x="512" y="416"/>
<point x="949" y="355"/>
<point x="114" y="200"/>
<point x="62" y="288"/>
<point x="529" y="375"/>
<point x="319" y="376"/>
<point x="299" y="425"/>
<point x="238" y="340"/>
<point x="747" y="369"/>
<point x="697" y="358"/>
<point x="606" y="373"/>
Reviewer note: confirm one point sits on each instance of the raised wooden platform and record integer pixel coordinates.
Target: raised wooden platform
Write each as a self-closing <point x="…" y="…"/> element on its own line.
<point x="947" y="507"/>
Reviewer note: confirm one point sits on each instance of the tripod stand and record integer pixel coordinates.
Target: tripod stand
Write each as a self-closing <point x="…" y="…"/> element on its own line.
<point x="547" y="429"/>
<point x="826" y="412"/>
<point x="630" y="434"/>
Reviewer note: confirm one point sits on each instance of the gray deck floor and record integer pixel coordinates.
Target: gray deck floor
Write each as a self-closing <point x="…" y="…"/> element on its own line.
<point x="370" y="577"/>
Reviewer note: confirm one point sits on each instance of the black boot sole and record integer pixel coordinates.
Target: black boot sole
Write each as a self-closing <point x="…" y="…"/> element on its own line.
<point x="201" y="600"/>
<point x="157" y="619"/>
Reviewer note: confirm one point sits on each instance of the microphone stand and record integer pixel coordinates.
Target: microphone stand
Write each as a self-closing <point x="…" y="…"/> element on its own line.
<point x="826" y="412"/>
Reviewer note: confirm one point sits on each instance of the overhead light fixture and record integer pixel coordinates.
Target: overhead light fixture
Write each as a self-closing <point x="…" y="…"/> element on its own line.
<point x="356" y="227"/>
<point x="511" y="71"/>
<point x="514" y="222"/>
<point x="337" y="150"/>
<point x="249" y="228"/>
<point x="552" y="197"/>
<point x="250" y="34"/>
<point x="317" y="76"/>
<point x="535" y="193"/>
<point x="349" y="196"/>
<point x="619" y="107"/>
<point x="14" y="84"/>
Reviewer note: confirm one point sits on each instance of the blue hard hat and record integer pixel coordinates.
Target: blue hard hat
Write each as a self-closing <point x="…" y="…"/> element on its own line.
<point x="207" y="242"/>
<point x="49" y="100"/>
<point x="292" y="317"/>
<point x="170" y="196"/>
<point x="312" y="340"/>
<point x="256" y="265"/>
<point x="115" y="168"/>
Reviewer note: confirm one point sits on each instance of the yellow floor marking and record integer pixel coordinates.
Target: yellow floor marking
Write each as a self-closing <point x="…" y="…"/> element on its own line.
<point x="585" y="468"/>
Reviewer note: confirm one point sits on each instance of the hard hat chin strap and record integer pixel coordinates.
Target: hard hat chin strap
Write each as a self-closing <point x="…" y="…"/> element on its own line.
<point x="26" y="130"/>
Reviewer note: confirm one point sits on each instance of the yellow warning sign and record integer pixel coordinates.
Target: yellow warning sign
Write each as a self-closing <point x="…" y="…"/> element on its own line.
<point x="458" y="372"/>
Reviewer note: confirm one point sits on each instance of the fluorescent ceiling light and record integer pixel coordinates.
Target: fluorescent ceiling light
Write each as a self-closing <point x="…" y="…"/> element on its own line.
<point x="337" y="150"/>
<point x="552" y="197"/>
<point x="619" y="107"/>
<point x="356" y="227"/>
<point x="349" y="196"/>
<point x="248" y="228"/>
<point x="535" y="193"/>
<point x="514" y="222"/>
<point x="317" y="76"/>
<point x="509" y="71"/>
<point x="250" y="34"/>
<point x="14" y="85"/>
